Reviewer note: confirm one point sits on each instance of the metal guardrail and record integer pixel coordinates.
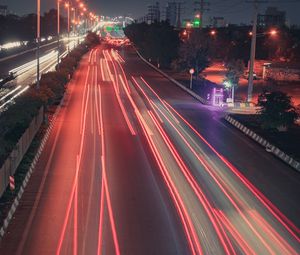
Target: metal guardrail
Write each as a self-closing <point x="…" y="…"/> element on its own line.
<point x="273" y="149"/>
<point x="193" y="94"/>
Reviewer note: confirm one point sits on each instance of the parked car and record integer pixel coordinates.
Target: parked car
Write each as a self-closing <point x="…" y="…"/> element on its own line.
<point x="254" y="76"/>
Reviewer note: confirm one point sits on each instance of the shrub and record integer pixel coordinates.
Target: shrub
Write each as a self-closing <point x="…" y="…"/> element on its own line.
<point x="277" y="110"/>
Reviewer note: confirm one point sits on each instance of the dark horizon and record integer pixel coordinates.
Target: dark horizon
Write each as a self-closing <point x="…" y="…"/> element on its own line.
<point x="236" y="12"/>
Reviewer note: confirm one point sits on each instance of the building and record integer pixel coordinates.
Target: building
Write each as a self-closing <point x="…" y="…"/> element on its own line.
<point x="3" y="10"/>
<point x="272" y="17"/>
<point x="153" y="13"/>
<point x="171" y="13"/>
<point x="217" y="22"/>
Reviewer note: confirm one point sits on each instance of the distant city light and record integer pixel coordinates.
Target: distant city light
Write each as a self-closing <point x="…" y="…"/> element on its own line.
<point x="188" y="24"/>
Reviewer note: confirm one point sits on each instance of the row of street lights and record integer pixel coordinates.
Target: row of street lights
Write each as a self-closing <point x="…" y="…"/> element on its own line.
<point x="76" y="22"/>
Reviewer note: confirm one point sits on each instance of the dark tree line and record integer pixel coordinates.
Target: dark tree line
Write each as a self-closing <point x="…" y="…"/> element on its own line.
<point x="23" y="28"/>
<point x="158" y="42"/>
<point x="196" y="48"/>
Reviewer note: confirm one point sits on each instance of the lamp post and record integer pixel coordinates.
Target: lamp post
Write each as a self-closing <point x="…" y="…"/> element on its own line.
<point x="38" y="36"/>
<point x="67" y="5"/>
<point x="255" y="35"/>
<point x="58" y="31"/>
<point x="192" y="71"/>
<point x="75" y="29"/>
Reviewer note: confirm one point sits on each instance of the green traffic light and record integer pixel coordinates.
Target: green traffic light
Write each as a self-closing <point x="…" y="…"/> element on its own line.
<point x="196" y="23"/>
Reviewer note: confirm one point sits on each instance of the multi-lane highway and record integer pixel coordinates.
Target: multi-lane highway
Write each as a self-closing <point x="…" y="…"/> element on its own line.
<point x="24" y="68"/>
<point x="134" y="165"/>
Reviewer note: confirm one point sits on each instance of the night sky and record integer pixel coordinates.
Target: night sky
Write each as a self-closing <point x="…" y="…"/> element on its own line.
<point x="234" y="11"/>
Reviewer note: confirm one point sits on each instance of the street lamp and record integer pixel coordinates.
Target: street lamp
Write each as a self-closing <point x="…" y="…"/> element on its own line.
<point x="192" y="71"/>
<point x="273" y="32"/>
<point x="38" y="35"/>
<point x="58" y="31"/>
<point x="75" y="29"/>
<point x="213" y="32"/>
<point x="188" y="25"/>
<point x="254" y="35"/>
<point x="67" y="5"/>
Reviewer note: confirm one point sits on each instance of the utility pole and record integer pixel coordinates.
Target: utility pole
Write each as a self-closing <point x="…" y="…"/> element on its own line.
<point x="201" y="7"/>
<point x="253" y="47"/>
<point x="38" y="36"/>
<point x="252" y="53"/>
<point x="178" y="13"/>
<point x="58" y="31"/>
<point x="68" y="9"/>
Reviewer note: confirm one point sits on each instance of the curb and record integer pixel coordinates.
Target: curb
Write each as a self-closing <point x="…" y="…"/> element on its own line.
<point x="30" y="171"/>
<point x="241" y="105"/>
<point x="274" y="150"/>
<point x="193" y="94"/>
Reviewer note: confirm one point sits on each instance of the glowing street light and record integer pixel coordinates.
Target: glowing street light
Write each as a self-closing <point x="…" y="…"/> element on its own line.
<point x="273" y="32"/>
<point x="67" y="5"/>
<point x="188" y="25"/>
<point x="254" y="35"/>
<point x="213" y="32"/>
<point x="192" y="71"/>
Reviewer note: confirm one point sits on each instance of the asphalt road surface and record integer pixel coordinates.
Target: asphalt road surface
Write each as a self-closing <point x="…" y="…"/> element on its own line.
<point x="134" y="165"/>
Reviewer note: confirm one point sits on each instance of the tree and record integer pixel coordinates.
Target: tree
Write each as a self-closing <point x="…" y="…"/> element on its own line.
<point x="276" y="110"/>
<point x="92" y="39"/>
<point x="158" y="41"/>
<point x="235" y="70"/>
<point x="194" y="53"/>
